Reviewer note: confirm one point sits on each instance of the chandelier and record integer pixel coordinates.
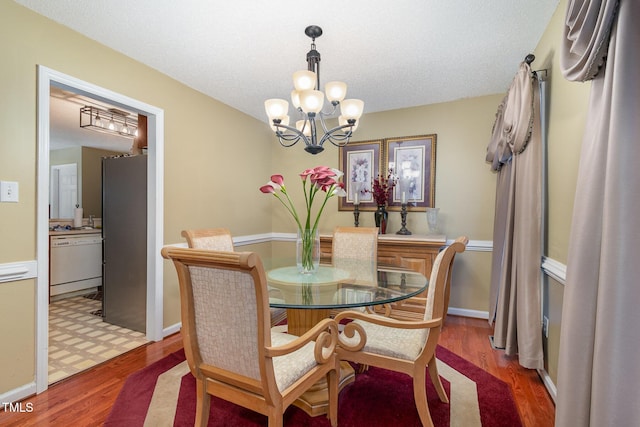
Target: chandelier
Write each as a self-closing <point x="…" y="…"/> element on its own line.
<point x="111" y="121"/>
<point x="309" y="101"/>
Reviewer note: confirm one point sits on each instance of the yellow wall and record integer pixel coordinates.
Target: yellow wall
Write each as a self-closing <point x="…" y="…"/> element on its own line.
<point x="216" y="158"/>
<point x="17" y="332"/>
<point x="209" y="148"/>
<point x="465" y="187"/>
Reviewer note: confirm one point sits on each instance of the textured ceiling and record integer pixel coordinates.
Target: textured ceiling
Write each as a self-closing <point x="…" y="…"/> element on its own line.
<point x="391" y="54"/>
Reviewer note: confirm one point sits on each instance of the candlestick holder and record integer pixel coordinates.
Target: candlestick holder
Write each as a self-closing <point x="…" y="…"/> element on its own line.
<point x="403" y="216"/>
<point x="356" y="215"/>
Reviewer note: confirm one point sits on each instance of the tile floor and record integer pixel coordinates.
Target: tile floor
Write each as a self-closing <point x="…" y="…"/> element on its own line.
<point x="79" y="340"/>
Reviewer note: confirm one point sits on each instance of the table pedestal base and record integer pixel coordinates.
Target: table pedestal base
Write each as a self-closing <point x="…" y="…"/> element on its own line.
<point x="315" y="401"/>
<point x="300" y="320"/>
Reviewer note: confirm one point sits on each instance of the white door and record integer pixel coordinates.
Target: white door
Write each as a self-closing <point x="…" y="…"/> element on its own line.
<point x="64" y="190"/>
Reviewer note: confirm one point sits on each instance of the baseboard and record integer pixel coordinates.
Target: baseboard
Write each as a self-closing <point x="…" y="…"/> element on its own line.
<point x="171" y="329"/>
<point x="468" y="313"/>
<point x="549" y="385"/>
<point x="18" y="394"/>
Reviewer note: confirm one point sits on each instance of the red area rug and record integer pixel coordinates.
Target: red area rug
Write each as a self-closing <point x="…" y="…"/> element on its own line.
<point x="378" y="397"/>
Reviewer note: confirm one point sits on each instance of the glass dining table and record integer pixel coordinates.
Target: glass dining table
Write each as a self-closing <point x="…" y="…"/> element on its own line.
<point x="343" y="284"/>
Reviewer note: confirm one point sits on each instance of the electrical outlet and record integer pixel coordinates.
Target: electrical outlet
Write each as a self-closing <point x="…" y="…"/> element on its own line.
<point x="8" y="191"/>
<point x="545" y="326"/>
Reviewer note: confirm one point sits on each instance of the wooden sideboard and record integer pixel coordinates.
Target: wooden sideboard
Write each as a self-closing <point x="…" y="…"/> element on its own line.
<point x="416" y="252"/>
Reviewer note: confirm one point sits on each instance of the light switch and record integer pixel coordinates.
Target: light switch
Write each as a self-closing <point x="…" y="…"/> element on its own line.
<point x="8" y="191"/>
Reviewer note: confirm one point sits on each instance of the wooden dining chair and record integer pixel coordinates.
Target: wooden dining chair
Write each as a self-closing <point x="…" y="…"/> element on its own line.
<point x="230" y="347"/>
<point x="355" y="249"/>
<point x="403" y="346"/>
<point x="355" y="243"/>
<point x="413" y="308"/>
<point x="219" y="239"/>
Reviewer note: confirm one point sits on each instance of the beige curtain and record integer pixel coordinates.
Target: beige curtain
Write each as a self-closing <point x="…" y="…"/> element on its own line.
<point x="599" y="365"/>
<point x="515" y="153"/>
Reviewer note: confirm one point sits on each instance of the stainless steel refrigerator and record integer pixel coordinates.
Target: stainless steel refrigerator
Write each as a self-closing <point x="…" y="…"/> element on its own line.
<point x="124" y="233"/>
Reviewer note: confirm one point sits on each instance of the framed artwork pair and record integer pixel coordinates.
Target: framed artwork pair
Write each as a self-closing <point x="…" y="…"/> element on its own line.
<point x="411" y="162"/>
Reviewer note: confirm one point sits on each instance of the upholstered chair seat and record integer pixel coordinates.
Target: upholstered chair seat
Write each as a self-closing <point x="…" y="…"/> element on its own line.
<point x="290" y="367"/>
<point x="390" y="341"/>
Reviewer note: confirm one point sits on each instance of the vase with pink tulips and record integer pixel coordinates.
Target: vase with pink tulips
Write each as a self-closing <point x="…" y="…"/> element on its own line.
<point x="320" y="179"/>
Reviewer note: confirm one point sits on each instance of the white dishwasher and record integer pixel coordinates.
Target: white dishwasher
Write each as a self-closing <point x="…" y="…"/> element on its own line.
<point x="76" y="264"/>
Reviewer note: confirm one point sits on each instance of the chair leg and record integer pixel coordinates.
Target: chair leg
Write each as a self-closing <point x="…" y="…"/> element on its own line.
<point x="332" y="382"/>
<point x="203" y="404"/>
<point x="275" y="419"/>
<point x="435" y="380"/>
<point x="420" y="397"/>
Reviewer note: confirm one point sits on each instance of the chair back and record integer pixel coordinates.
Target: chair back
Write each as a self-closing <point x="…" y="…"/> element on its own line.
<point x="215" y="239"/>
<point x="356" y="249"/>
<point x="464" y="240"/>
<point x="219" y="239"/>
<point x="440" y="279"/>
<point x="355" y="243"/>
<point x="225" y="313"/>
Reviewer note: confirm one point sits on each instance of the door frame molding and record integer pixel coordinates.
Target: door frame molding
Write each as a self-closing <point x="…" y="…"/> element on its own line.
<point x="155" y="204"/>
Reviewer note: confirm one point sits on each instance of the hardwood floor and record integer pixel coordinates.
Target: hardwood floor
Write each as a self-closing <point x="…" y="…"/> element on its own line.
<point x="86" y="398"/>
<point x="469" y="338"/>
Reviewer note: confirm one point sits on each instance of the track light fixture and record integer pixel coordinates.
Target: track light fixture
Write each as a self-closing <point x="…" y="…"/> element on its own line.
<point x="117" y="121"/>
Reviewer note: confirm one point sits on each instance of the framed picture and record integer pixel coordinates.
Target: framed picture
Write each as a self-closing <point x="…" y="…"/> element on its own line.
<point x="413" y="162"/>
<point x="360" y="162"/>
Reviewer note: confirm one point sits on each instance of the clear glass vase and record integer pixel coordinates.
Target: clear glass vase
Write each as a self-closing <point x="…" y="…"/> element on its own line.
<point x="308" y="251"/>
<point x="432" y="220"/>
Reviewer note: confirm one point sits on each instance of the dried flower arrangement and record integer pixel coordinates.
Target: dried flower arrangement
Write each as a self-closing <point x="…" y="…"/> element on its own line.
<point x="382" y="188"/>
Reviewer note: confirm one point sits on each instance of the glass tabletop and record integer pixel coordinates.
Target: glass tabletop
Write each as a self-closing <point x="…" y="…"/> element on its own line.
<point x="342" y="285"/>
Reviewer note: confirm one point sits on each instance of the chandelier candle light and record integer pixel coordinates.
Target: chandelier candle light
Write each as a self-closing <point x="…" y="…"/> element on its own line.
<point x="309" y="100"/>
<point x="320" y="178"/>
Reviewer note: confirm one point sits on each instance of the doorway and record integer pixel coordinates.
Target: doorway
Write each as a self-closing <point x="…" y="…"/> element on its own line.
<point x="155" y="121"/>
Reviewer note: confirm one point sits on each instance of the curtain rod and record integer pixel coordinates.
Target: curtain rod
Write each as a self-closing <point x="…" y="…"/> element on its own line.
<point x="529" y="59"/>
